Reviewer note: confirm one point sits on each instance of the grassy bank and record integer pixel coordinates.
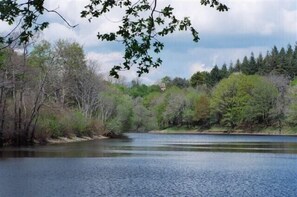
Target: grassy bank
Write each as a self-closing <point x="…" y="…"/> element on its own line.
<point x="223" y="130"/>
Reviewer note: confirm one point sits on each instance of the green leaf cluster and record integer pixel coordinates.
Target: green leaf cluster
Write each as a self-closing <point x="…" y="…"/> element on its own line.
<point x="24" y="15"/>
<point x="242" y="99"/>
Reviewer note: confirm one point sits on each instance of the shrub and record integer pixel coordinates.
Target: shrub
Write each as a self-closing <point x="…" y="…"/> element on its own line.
<point x="49" y="126"/>
<point x="95" y="127"/>
<point x="66" y="123"/>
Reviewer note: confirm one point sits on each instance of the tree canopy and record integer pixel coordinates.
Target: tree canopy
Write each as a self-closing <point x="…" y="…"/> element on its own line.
<point x="141" y="26"/>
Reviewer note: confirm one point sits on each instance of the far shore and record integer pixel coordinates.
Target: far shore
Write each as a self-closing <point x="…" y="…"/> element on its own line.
<point x="220" y="133"/>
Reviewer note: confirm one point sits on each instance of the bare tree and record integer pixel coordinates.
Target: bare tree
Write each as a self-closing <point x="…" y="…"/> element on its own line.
<point x="281" y="82"/>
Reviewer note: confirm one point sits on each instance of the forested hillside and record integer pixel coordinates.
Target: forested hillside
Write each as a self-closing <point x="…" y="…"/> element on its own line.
<point x="52" y="90"/>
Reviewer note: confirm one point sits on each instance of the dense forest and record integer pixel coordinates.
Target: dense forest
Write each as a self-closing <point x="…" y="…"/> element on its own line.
<point x="52" y="90"/>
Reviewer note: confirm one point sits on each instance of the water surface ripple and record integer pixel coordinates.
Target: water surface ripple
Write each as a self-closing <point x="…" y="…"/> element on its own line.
<point x="154" y="165"/>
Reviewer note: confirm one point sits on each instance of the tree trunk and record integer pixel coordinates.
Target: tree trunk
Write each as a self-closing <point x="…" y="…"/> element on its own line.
<point x="16" y="131"/>
<point x="3" y="108"/>
<point x="280" y="126"/>
<point x="23" y="137"/>
<point x="35" y="110"/>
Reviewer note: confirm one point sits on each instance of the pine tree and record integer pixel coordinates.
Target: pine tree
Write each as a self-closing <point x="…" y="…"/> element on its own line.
<point x="252" y="65"/>
<point x="281" y="62"/>
<point x="215" y="76"/>
<point x="237" y="67"/>
<point x="273" y="60"/>
<point x="260" y="64"/>
<point x="224" y="71"/>
<point x="294" y="62"/>
<point x="289" y="62"/>
<point x="231" y="68"/>
<point x="245" y="66"/>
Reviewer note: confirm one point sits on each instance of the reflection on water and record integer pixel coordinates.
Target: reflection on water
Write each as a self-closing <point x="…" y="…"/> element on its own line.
<point x="159" y="144"/>
<point x="154" y="165"/>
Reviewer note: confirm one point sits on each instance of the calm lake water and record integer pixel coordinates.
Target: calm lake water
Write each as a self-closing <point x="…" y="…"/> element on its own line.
<point x="154" y="165"/>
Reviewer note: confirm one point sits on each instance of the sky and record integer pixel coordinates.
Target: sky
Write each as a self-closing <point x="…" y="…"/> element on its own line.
<point x="249" y="26"/>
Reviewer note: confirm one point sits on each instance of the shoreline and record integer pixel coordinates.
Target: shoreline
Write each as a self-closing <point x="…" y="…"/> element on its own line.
<point x="219" y="133"/>
<point x="66" y="140"/>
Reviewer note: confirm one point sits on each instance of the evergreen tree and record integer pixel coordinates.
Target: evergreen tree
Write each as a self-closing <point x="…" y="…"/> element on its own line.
<point x="294" y="62"/>
<point x="260" y="64"/>
<point x="267" y="68"/>
<point x="273" y="59"/>
<point x="224" y="71"/>
<point x="231" y="68"/>
<point x="215" y="76"/>
<point x="289" y="67"/>
<point x="197" y="79"/>
<point x="252" y="65"/>
<point x="237" y="67"/>
<point x="245" y="66"/>
<point x="180" y="82"/>
<point x="281" y="62"/>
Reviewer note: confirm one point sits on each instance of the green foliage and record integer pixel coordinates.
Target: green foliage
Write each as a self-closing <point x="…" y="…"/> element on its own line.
<point x="294" y="82"/>
<point x="139" y="30"/>
<point x="27" y="13"/>
<point x="215" y="76"/>
<point x="244" y="100"/>
<point x="177" y="82"/>
<point x="292" y="112"/>
<point x="67" y="123"/>
<point x="141" y="90"/>
<point x="79" y="123"/>
<point x="40" y="54"/>
<point x="70" y="55"/>
<point x="214" y="3"/>
<point x="50" y="126"/>
<point x="262" y="103"/>
<point x="180" y="82"/>
<point x="150" y="98"/>
<point x="224" y="72"/>
<point x="202" y="109"/>
<point x="175" y="105"/>
<point x="121" y="121"/>
<point x="200" y="78"/>
<point x="142" y="119"/>
<point x="230" y="98"/>
<point x="79" y="102"/>
<point x="2" y="59"/>
<point x="157" y="103"/>
<point x="283" y="62"/>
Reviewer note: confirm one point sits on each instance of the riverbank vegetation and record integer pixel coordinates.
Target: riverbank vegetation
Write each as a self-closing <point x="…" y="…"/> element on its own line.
<point x="52" y="90"/>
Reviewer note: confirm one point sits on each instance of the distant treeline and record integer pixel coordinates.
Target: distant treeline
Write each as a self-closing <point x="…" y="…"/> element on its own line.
<point x="275" y="62"/>
<point x="254" y="94"/>
<point x="54" y="91"/>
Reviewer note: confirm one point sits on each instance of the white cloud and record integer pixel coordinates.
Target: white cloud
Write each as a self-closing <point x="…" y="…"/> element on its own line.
<point x="86" y="31"/>
<point x="290" y="21"/>
<point x="210" y="57"/>
<point x="106" y="60"/>
<point x="244" y="17"/>
<point x="57" y="31"/>
<point x="4" y="27"/>
<point x="198" y="67"/>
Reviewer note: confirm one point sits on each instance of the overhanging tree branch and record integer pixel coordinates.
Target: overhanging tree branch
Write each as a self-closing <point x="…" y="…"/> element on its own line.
<point x="138" y="31"/>
<point x="27" y="14"/>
